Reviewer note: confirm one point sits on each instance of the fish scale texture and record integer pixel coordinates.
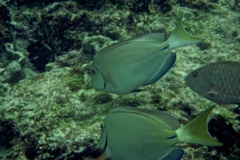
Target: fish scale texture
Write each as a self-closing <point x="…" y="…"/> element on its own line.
<point x="225" y="81"/>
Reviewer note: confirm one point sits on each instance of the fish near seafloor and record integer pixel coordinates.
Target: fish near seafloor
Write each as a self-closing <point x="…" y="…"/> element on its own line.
<point x="139" y="134"/>
<point x="125" y="66"/>
<point x="218" y="82"/>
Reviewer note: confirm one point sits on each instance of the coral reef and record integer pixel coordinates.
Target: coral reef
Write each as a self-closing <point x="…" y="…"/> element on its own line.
<point x="5" y="33"/>
<point x="48" y="109"/>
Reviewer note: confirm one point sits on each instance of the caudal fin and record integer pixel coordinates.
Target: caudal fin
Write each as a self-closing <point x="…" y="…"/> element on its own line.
<point x="179" y="37"/>
<point x="196" y="131"/>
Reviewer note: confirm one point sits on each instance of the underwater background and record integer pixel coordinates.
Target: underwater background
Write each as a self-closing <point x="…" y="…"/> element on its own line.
<point x="48" y="108"/>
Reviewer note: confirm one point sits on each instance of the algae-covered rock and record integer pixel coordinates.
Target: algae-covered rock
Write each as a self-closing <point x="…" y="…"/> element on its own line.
<point x="5" y="32"/>
<point x="49" y="117"/>
<point x="13" y="73"/>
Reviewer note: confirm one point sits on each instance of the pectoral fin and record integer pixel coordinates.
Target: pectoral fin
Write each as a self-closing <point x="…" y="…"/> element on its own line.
<point x="175" y="153"/>
<point x="165" y="64"/>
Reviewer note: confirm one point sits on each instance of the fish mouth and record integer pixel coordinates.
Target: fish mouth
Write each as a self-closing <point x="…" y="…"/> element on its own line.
<point x="185" y="81"/>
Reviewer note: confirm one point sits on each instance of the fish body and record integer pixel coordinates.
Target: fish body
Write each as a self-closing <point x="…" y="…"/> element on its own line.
<point x="218" y="82"/>
<point x="125" y="66"/>
<point x="139" y="134"/>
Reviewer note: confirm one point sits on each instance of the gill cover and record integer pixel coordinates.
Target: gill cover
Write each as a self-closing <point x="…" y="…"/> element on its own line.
<point x="98" y="81"/>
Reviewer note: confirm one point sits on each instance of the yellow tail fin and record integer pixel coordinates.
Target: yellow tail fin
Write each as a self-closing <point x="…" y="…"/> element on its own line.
<point x="179" y="37"/>
<point x="101" y="157"/>
<point x="196" y="131"/>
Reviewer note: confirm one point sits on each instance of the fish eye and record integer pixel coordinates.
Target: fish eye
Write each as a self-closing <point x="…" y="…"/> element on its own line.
<point x="102" y="126"/>
<point x="92" y="70"/>
<point x="195" y="74"/>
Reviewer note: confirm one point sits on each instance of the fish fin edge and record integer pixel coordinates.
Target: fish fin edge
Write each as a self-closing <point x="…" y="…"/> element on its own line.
<point x="180" y="37"/>
<point x="196" y="131"/>
<point x="175" y="153"/>
<point x="101" y="157"/>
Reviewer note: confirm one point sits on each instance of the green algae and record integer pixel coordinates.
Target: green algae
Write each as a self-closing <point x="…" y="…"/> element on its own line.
<point x="75" y="83"/>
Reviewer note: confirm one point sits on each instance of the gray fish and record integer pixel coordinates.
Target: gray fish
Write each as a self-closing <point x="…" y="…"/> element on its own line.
<point x="125" y="66"/>
<point x="140" y="134"/>
<point x="218" y="82"/>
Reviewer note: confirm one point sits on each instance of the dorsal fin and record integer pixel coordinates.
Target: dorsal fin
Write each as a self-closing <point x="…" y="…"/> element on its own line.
<point x="150" y="37"/>
<point x="162" y="117"/>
